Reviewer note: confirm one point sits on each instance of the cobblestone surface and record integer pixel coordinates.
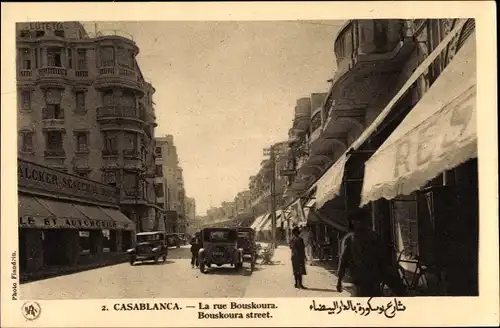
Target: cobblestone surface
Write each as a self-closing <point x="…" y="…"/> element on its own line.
<point x="175" y="278"/>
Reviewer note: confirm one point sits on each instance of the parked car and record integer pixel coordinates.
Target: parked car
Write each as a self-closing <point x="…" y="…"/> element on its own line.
<point x="149" y="246"/>
<point x="246" y="241"/>
<point x="182" y="239"/>
<point x="172" y="240"/>
<point x="219" y="247"/>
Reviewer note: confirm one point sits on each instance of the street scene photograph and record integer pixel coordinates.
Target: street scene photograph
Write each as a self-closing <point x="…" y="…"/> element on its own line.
<point x="247" y="159"/>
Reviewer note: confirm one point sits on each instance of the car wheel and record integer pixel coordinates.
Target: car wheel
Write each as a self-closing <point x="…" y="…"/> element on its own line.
<point x="202" y="267"/>
<point x="132" y="261"/>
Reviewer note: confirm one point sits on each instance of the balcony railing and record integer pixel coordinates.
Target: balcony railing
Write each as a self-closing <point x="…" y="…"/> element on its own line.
<point x="53" y="72"/>
<point x="110" y="152"/>
<point x="119" y="71"/>
<point x="25" y="73"/>
<point x="82" y="74"/>
<point x="131" y="153"/>
<point x="116" y="111"/>
<point x="55" y="152"/>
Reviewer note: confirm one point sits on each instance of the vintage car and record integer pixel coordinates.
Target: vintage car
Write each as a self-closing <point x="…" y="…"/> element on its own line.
<point x="173" y="240"/>
<point x="246" y="241"/>
<point x="149" y="246"/>
<point x="219" y="247"/>
<point x="182" y="239"/>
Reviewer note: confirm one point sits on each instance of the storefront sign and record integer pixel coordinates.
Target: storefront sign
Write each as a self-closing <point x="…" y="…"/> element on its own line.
<point x="40" y="178"/>
<point x="57" y="223"/>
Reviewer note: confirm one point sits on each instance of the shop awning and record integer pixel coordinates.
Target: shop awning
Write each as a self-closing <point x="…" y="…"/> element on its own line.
<point x="117" y="216"/>
<point x="328" y="186"/>
<point x="60" y="209"/>
<point x="257" y="221"/>
<point x="32" y="213"/>
<point x="265" y="221"/>
<point x="96" y="218"/>
<point x="438" y="134"/>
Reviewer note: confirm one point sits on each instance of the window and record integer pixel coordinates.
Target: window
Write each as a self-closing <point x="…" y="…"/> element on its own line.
<point x="128" y="99"/>
<point x="81" y="141"/>
<point x="109" y="177"/>
<point x="83" y="174"/>
<point x="53" y="111"/>
<point x="54" y="58"/>
<point x="109" y="240"/>
<point x="24" y="34"/>
<point x="81" y="59"/>
<point x="25" y="99"/>
<point x="59" y="33"/>
<point x="158" y="152"/>
<point x="70" y="57"/>
<point x="125" y="58"/>
<point x="130" y="184"/>
<point x="130" y="142"/>
<point x="159" y="170"/>
<point x="80" y="100"/>
<point x="159" y="190"/>
<point x="107" y="98"/>
<point x="39" y="34"/>
<point x="84" y="242"/>
<point x="107" y="56"/>
<point x="25" y="54"/>
<point x="110" y="142"/>
<point x="54" y="140"/>
<point x="26" y="141"/>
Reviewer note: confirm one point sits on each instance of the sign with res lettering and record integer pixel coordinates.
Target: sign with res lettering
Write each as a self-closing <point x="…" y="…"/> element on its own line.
<point x="34" y="177"/>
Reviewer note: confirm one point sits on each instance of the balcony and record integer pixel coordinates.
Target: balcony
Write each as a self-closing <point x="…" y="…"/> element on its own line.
<point x="109" y="153"/>
<point x="81" y="74"/>
<point x="116" y="112"/>
<point x="52" y="73"/>
<point x="51" y="121"/>
<point x="132" y="154"/>
<point x="119" y="76"/>
<point x="369" y="54"/>
<point x="26" y="74"/>
<point x="54" y="153"/>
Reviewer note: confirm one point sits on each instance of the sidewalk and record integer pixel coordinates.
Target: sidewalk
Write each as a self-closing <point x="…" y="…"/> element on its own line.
<point x="277" y="280"/>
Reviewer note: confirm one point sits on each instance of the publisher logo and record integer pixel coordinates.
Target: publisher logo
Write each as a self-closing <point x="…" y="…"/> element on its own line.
<point x="31" y="310"/>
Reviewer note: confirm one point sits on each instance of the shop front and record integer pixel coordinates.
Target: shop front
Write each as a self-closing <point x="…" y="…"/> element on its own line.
<point x="66" y="221"/>
<point x="424" y="181"/>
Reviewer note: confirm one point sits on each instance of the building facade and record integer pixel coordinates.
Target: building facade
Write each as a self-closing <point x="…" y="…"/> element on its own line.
<point x="169" y="184"/>
<point x="67" y="221"/>
<point x="85" y="108"/>
<point x="388" y="72"/>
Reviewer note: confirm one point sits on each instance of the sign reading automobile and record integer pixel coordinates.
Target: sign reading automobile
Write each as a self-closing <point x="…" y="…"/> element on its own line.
<point x="34" y="176"/>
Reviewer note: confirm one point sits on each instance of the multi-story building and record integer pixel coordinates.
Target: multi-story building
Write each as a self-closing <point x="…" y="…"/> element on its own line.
<point x="394" y="79"/>
<point x="169" y="183"/>
<point x="85" y="108"/>
<point x="243" y="201"/>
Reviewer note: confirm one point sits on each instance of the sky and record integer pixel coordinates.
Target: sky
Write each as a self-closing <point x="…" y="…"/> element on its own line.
<point x="226" y="90"/>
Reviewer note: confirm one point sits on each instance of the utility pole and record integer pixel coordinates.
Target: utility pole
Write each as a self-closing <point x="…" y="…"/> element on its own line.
<point x="271" y="152"/>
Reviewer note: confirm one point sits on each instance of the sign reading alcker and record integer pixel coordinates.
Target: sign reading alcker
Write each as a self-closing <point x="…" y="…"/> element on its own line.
<point x="43" y="179"/>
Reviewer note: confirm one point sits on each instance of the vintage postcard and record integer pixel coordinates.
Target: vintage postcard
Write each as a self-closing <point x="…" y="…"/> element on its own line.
<point x="297" y="164"/>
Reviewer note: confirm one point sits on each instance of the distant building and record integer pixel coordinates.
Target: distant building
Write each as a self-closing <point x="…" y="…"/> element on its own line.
<point x="169" y="184"/>
<point x="85" y="108"/>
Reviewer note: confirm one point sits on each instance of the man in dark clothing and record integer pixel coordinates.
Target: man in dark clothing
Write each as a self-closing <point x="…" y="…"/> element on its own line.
<point x="362" y="253"/>
<point x="195" y="247"/>
<point x="298" y="257"/>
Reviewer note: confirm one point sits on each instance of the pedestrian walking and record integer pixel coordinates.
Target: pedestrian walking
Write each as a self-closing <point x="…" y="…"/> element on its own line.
<point x="362" y="253"/>
<point x="298" y="257"/>
<point x="195" y="247"/>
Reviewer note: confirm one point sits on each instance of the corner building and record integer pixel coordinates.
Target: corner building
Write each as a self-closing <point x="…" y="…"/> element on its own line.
<point x="84" y="108"/>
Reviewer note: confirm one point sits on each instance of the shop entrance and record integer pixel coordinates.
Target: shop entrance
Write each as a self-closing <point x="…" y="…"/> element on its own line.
<point x="54" y="247"/>
<point x="126" y="240"/>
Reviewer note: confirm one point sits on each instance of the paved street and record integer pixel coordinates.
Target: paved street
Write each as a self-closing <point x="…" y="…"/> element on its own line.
<point x="176" y="278"/>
